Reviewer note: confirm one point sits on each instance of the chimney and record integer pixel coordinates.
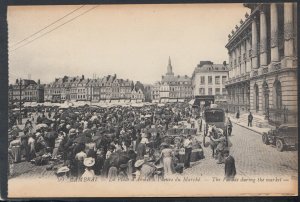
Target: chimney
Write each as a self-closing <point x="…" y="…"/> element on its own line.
<point x="224" y="63"/>
<point x="39" y="81"/>
<point x="82" y="77"/>
<point x="17" y="81"/>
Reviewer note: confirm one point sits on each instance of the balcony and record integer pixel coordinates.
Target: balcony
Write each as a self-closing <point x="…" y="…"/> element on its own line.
<point x="275" y="66"/>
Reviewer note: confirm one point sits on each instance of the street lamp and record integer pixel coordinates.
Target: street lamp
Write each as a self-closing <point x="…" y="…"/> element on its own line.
<point x="20" y="115"/>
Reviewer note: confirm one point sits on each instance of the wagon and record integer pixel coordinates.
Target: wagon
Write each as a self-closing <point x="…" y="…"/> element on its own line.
<point x="215" y="116"/>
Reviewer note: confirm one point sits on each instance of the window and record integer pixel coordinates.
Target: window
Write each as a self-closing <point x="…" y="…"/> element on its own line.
<point x="209" y="79"/>
<point x="217" y="80"/>
<point x="202" y="91"/>
<point x="202" y="80"/>
<point x="217" y="91"/>
<point x="224" y="78"/>
<point x="209" y="91"/>
<point x="224" y="92"/>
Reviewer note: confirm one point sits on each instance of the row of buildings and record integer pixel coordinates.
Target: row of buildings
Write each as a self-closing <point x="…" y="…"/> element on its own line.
<point x="84" y="89"/>
<point x="207" y="81"/>
<point x="263" y="62"/>
<point x="79" y="89"/>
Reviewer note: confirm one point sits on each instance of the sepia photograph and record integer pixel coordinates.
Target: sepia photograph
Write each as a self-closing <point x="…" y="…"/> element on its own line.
<point x="160" y="100"/>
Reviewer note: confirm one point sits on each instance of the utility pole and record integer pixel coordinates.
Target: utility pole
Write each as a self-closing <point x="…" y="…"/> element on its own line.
<point x="20" y="117"/>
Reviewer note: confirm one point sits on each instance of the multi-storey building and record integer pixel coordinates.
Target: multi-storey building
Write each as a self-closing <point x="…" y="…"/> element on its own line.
<point x="155" y="92"/>
<point x="174" y="88"/>
<point x="26" y="90"/>
<point x="208" y="81"/>
<point x="81" y="89"/>
<point x="263" y="62"/>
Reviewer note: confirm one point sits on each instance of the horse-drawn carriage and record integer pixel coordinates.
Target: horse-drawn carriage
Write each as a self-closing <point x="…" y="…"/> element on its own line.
<point x="215" y="116"/>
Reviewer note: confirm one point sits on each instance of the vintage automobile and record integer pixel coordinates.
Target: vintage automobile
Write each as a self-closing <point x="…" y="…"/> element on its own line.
<point x="214" y="116"/>
<point x="286" y="135"/>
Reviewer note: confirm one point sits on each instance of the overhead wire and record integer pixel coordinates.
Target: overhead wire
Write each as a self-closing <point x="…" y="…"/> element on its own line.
<point x="54" y="28"/>
<point x="48" y="26"/>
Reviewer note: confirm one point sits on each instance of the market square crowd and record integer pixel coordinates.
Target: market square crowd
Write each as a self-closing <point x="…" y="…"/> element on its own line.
<point x="125" y="143"/>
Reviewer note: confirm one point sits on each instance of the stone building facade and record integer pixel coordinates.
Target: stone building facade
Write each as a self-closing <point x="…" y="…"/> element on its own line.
<point x="30" y="91"/>
<point x="209" y="79"/>
<point x="263" y="62"/>
<point x="80" y="88"/>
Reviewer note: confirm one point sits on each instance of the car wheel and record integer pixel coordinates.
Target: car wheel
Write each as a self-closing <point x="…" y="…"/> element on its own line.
<point x="279" y="145"/>
<point x="265" y="139"/>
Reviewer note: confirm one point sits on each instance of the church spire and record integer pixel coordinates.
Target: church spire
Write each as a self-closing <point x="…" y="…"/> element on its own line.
<point x="169" y="68"/>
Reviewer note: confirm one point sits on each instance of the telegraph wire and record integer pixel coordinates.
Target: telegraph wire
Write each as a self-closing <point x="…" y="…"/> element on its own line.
<point x="55" y="28"/>
<point x="47" y="26"/>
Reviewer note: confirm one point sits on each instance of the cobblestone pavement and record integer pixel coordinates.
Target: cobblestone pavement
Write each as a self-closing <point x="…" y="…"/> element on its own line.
<point x="252" y="158"/>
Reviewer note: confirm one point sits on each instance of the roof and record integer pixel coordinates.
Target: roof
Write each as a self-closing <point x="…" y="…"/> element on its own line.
<point x="178" y="78"/>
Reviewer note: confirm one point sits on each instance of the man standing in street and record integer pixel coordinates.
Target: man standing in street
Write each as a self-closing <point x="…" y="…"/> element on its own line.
<point x="229" y="126"/>
<point x="230" y="170"/>
<point x="188" y="151"/>
<point x="250" y="118"/>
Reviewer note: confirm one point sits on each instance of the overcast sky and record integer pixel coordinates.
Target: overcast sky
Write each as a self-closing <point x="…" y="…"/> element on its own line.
<point x="132" y="41"/>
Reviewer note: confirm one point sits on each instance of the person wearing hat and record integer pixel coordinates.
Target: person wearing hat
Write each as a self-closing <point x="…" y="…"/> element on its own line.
<point x="89" y="172"/>
<point x="138" y="165"/>
<point x="63" y="171"/>
<point x="230" y="170"/>
<point x="123" y="172"/>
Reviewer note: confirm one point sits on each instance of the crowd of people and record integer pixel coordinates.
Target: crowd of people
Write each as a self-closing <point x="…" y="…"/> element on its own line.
<point x="127" y="143"/>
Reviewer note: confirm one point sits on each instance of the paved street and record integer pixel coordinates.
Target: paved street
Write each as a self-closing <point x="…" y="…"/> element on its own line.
<point x="252" y="157"/>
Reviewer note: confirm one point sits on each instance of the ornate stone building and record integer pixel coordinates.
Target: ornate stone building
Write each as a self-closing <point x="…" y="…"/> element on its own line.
<point x="263" y="62"/>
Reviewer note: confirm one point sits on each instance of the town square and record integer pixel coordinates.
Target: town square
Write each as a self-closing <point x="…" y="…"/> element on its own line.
<point x="152" y="95"/>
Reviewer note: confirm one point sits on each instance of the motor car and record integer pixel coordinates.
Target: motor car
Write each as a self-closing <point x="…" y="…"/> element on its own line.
<point x="283" y="137"/>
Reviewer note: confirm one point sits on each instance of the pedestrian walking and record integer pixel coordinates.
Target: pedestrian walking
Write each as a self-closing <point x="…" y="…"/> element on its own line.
<point x="237" y="115"/>
<point x="229" y="126"/>
<point x="250" y="118"/>
<point x="230" y="170"/>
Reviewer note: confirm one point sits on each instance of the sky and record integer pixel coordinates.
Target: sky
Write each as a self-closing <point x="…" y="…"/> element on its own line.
<point x="132" y="41"/>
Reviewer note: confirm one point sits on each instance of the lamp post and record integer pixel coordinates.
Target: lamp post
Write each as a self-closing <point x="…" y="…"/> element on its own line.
<point x="20" y="116"/>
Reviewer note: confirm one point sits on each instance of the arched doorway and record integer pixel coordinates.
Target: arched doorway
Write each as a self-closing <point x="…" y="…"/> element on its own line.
<point x="277" y="95"/>
<point x="256" y="91"/>
<point x="266" y="97"/>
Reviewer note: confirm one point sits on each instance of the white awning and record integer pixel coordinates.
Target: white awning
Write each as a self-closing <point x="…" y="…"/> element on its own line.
<point x="192" y="102"/>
